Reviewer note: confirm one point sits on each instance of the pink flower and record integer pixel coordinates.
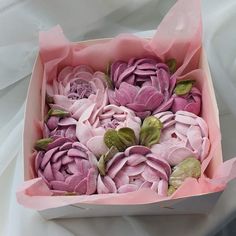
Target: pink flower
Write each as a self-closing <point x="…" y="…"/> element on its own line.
<point x="143" y="85"/>
<point x="57" y="127"/>
<point x="134" y="169"/>
<point x="190" y="102"/>
<point x="93" y="125"/>
<point x="76" y="88"/>
<point x="67" y="166"/>
<point x="184" y="135"/>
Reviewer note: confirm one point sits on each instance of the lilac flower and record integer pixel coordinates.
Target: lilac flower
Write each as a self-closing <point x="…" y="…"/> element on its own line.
<point x="76" y="88"/>
<point x="67" y="166"/>
<point x="143" y="85"/>
<point x="183" y="135"/>
<point x="135" y="168"/>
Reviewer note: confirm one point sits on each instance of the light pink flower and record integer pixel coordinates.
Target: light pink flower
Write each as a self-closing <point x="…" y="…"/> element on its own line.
<point x="76" y="88"/>
<point x="135" y="168"/>
<point x="190" y="102"/>
<point x="93" y="124"/>
<point x="143" y="85"/>
<point x="67" y="166"/>
<point x="184" y="134"/>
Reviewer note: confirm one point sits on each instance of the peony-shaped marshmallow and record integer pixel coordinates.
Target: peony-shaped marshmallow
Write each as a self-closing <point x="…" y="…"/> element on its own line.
<point x="135" y="168"/>
<point x="93" y="125"/>
<point x="77" y="88"/>
<point x="60" y="124"/>
<point x="67" y="167"/>
<point x="143" y="85"/>
<point x="183" y="135"/>
<point x="186" y="98"/>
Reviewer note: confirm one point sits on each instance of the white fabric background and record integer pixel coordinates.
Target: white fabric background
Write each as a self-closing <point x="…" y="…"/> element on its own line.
<point x="20" y="21"/>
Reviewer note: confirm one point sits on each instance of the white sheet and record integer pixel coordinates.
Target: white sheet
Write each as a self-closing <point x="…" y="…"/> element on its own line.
<point x="19" y="24"/>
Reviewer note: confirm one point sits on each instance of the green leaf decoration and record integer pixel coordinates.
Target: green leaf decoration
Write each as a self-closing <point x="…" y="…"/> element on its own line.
<point x="105" y="158"/>
<point x="42" y="144"/>
<point x="172" y="64"/>
<point x="127" y="136"/>
<point x="183" y="87"/>
<point x="58" y="112"/>
<point x="170" y="190"/>
<point x="111" y="138"/>
<point x="150" y="131"/>
<point x="107" y="77"/>
<point x="190" y="167"/>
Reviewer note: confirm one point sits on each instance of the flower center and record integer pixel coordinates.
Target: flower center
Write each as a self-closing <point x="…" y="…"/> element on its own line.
<point x="80" y="89"/>
<point x="111" y="124"/>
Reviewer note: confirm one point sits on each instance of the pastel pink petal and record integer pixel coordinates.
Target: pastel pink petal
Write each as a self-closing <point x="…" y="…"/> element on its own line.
<point x="58" y="143"/>
<point x="127" y="188"/>
<point x="130" y="79"/>
<point x="71" y="133"/>
<point x="181" y="128"/>
<point x="144" y="61"/>
<point x="144" y="72"/>
<point x="146" y="184"/>
<point x="130" y="90"/>
<point x="40" y="174"/>
<point x="160" y="171"/>
<point x="46" y="131"/>
<point x="117" y="70"/>
<point x="38" y="160"/>
<point x="179" y="154"/>
<point x="73" y="152"/>
<point x="154" y="101"/>
<point x="144" y="94"/>
<point x="83" y="132"/>
<point x="162" y="188"/>
<point x="121" y="98"/>
<point x="166" y="118"/>
<point x="47" y="157"/>
<point x="83" y="75"/>
<point x="79" y="107"/>
<point x="179" y="103"/>
<point x="116" y="167"/>
<point x="101" y="188"/>
<point x="57" y="165"/>
<point x="110" y="184"/>
<point x="81" y="188"/>
<point x="91" y="181"/>
<point x="146" y="66"/>
<point x="163" y="163"/>
<point x="57" y="155"/>
<point x="52" y="122"/>
<point x="74" y="180"/>
<point x="203" y="126"/>
<point x="136" y="159"/>
<point x="59" y="185"/>
<point x="126" y="73"/>
<point x="154" y="186"/>
<point x="163" y="77"/>
<point x="64" y="72"/>
<point x="84" y="167"/>
<point x="188" y="120"/>
<point x="58" y="175"/>
<point x="62" y="101"/>
<point x="48" y="174"/>
<point x="67" y="121"/>
<point x="137" y="149"/>
<point x="134" y="170"/>
<point x="66" y="159"/>
<point x="121" y="179"/>
<point x="66" y="146"/>
<point x="205" y="148"/>
<point x="164" y="106"/>
<point x="194" y="137"/>
<point x="97" y="146"/>
<point x="186" y="113"/>
<point x="162" y="65"/>
<point x="182" y="137"/>
<point x="114" y="160"/>
<point x="137" y="107"/>
<point x="143" y="114"/>
<point x="150" y="174"/>
<point x="172" y="84"/>
<point x="84" y="68"/>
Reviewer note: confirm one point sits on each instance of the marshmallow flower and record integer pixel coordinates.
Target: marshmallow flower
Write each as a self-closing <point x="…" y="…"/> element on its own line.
<point x="57" y="127"/>
<point x="135" y="168"/>
<point x="143" y="85"/>
<point x="67" y="166"/>
<point x="183" y="135"/>
<point x="76" y="88"/>
<point x="190" y="102"/>
<point x="93" y="125"/>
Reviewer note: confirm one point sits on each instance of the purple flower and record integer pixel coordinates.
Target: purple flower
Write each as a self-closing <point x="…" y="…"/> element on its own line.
<point x="143" y="85"/>
<point x="135" y="168"/>
<point x="76" y="88"/>
<point x="190" y="102"/>
<point x="67" y="166"/>
<point x="183" y="135"/>
<point x="57" y="127"/>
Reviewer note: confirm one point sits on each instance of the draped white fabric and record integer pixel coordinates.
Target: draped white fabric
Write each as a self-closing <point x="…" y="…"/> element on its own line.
<point x="20" y="21"/>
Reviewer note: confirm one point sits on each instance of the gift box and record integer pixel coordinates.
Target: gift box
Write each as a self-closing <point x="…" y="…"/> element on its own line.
<point x="179" y="37"/>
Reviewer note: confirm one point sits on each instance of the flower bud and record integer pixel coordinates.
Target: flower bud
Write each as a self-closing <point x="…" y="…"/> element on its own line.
<point x="183" y="87"/>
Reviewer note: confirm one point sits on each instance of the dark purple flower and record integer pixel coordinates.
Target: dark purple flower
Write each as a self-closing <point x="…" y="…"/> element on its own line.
<point x="143" y="85"/>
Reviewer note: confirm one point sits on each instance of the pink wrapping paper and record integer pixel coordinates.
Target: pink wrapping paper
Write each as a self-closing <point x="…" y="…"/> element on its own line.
<point x="178" y="36"/>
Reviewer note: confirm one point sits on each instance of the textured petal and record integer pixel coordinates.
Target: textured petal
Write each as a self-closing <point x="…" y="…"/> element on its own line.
<point x="81" y="188"/>
<point x="138" y="149"/>
<point x="121" y="179"/>
<point x="59" y="185"/>
<point x="136" y="159"/>
<point x="194" y="137"/>
<point x="162" y="188"/>
<point x="150" y="174"/>
<point x="134" y="170"/>
<point x="92" y="181"/>
<point x="47" y="157"/>
<point x="97" y="146"/>
<point x="116" y="167"/>
<point x="159" y="169"/>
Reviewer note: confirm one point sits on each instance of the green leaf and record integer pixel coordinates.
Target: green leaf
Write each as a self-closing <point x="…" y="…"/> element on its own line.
<point x="150" y="131"/>
<point x="107" y="77"/>
<point x="171" y="190"/>
<point x="127" y="136"/>
<point x="190" y="167"/>
<point x="58" y="112"/>
<point x="105" y="158"/>
<point x="41" y="144"/>
<point x="183" y="87"/>
<point x="111" y="138"/>
<point x="172" y="64"/>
